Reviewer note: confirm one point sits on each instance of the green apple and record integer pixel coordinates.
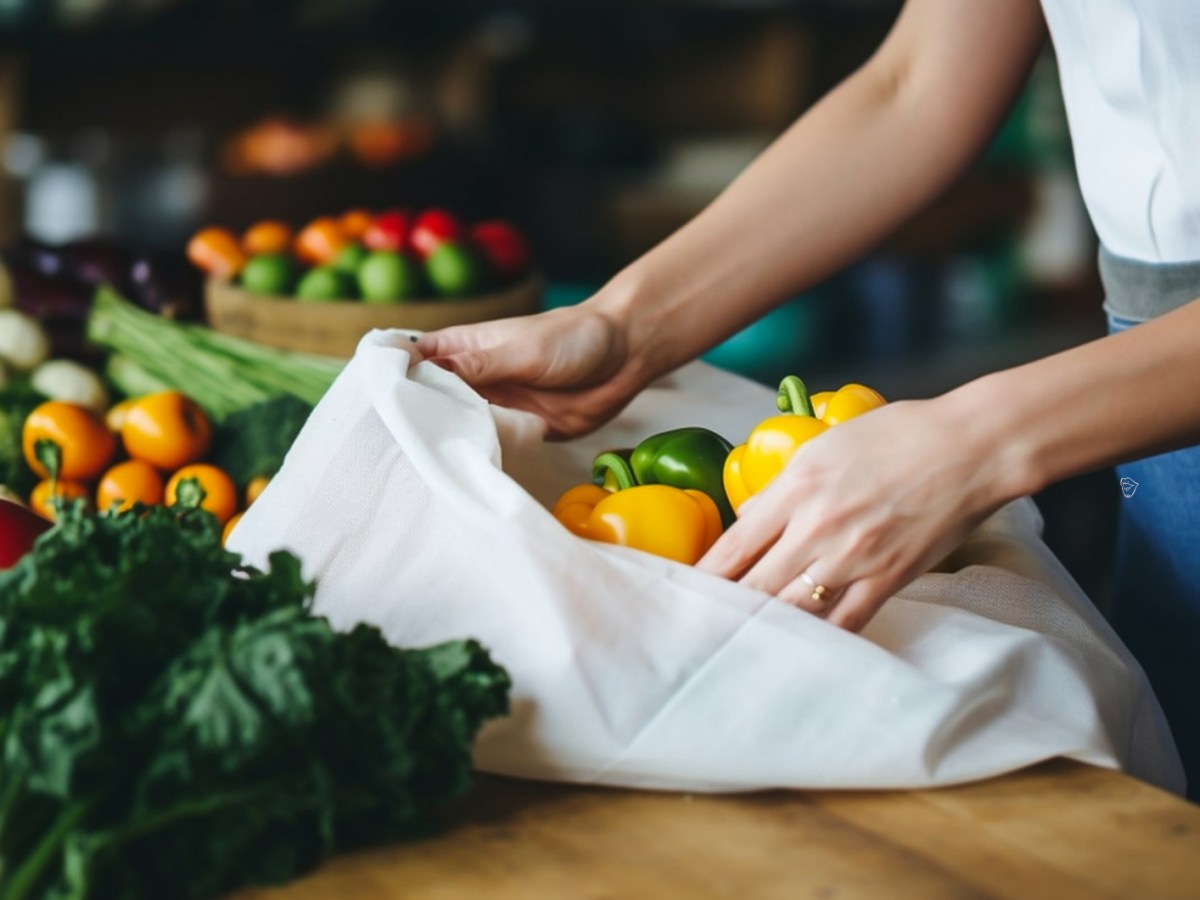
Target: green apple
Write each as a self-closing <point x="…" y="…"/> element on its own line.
<point x="454" y="270"/>
<point x="386" y="276"/>
<point x="349" y="258"/>
<point x="324" y="284"/>
<point x="269" y="273"/>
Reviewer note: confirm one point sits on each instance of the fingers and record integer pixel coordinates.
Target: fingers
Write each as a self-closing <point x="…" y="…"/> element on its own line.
<point x="739" y="548"/>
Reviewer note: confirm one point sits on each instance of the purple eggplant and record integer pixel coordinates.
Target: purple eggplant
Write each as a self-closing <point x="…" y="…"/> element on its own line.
<point x="167" y="284"/>
<point x="42" y="296"/>
<point x="97" y="261"/>
<point x="44" y="258"/>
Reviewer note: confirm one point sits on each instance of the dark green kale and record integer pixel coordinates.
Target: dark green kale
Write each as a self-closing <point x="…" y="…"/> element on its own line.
<point x="174" y="724"/>
<point x="17" y="401"/>
<point x="253" y="441"/>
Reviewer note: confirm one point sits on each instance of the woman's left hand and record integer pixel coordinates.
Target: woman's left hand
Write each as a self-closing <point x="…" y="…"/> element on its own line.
<point x="869" y="505"/>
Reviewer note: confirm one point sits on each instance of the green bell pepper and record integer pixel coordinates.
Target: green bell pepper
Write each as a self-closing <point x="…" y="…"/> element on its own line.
<point x="686" y="458"/>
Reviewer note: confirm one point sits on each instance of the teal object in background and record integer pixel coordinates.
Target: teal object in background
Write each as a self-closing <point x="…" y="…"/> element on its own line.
<point x="776" y="345"/>
<point x="781" y="342"/>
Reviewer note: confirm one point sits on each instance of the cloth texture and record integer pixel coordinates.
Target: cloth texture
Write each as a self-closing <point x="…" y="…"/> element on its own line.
<point x="1130" y="73"/>
<point x="1135" y="291"/>
<point x="422" y="509"/>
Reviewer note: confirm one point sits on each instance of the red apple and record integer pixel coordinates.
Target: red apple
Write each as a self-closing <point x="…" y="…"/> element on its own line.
<point x="503" y="247"/>
<point x="388" y="231"/>
<point x="433" y="228"/>
<point x="19" y="528"/>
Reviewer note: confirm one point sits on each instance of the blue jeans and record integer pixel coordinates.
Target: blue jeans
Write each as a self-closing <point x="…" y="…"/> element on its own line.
<point x="1156" y="585"/>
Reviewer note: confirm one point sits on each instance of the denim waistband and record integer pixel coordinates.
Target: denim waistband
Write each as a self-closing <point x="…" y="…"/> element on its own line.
<point x="1142" y="290"/>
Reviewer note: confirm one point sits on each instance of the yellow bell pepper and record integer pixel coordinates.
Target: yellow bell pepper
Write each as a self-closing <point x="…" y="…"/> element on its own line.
<point x="678" y="524"/>
<point x="848" y="401"/>
<point x="751" y="466"/>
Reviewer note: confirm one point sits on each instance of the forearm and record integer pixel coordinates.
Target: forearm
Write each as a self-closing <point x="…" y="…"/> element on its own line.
<point x="876" y="149"/>
<point x="1122" y="397"/>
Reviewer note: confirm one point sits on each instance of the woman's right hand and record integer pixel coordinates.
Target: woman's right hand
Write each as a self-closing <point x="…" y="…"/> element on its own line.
<point x="570" y="366"/>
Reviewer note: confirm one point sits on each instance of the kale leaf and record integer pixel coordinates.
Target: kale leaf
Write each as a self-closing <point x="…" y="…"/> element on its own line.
<point x="174" y="724"/>
<point x="253" y="441"/>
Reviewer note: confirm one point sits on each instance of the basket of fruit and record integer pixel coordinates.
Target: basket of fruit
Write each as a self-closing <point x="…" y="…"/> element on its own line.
<point x="321" y="289"/>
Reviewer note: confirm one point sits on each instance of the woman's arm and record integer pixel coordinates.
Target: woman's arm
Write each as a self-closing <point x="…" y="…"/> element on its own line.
<point x="879" y="147"/>
<point x="878" y="500"/>
<point x="867" y="156"/>
<point x="1123" y="397"/>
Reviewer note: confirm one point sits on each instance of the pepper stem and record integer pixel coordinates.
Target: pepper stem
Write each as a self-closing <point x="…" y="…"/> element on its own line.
<point x="793" y="397"/>
<point x="613" y="466"/>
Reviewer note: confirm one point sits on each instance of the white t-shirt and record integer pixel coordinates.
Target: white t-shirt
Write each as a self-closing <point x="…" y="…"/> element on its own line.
<point x="1130" y="74"/>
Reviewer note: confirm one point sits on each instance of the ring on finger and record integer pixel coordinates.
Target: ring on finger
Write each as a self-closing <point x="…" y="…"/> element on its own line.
<point x="820" y="593"/>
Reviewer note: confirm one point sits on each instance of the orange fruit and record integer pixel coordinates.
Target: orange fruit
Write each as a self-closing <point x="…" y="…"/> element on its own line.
<point x="166" y="429"/>
<point x="355" y="222"/>
<point x="216" y="251"/>
<point x="267" y="236"/>
<point x="45" y="491"/>
<point x="255" y="487"/>
<point x="229" y="526"/>
<point x="220" y="493"/>
<point x="320" y="241"/>
<point x="115" y="417"/>
<point x="85" y="445"/>
<point x="127" y="483"/>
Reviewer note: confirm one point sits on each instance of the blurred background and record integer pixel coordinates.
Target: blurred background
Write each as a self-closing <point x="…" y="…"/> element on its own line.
<point x="598" y="126"/>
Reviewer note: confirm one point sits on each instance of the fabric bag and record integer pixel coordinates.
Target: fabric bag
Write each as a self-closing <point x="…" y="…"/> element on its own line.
<point x="420" y="508"/>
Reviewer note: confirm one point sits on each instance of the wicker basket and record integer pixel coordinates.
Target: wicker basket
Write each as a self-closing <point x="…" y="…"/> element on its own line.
<point x="334" y="328"/>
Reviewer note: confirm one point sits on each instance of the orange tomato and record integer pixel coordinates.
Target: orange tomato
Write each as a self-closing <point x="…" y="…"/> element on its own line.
<point x="267" y="236"/>
<point x="320" y="241"/>
<point x="229" y="526"/>
<point x="115" y="417"/>
<point x="127" y="483"/>
<point x="220" y="493"/>
<point x="166" y="429"/>
<point x="355" y="222"/>
<point x="217" y="252"/>
<point x="255" y="487"/>
<point x="45" y="491"/>
<point x="85" y="445"/>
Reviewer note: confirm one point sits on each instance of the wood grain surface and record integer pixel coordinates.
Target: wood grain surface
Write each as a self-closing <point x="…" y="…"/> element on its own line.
<point x="1060" y="830"/>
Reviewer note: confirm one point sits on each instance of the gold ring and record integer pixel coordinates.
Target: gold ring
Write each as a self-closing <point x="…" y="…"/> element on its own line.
<point x="818" y="590"/>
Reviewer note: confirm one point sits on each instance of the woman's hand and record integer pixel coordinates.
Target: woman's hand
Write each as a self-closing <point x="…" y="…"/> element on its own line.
<point x="570" y="366"/>
<point x="867" y="506"/>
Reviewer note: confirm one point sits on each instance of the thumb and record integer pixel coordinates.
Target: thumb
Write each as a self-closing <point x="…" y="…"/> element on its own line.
<point x="476" y="367"/>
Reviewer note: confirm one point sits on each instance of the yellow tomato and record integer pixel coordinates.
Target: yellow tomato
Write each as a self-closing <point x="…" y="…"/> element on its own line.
<point x="40" y="500"/>
<point x="220" y="493"/>
<point x="85" y="445"/>
<point x="127" y="483"/>
<point x="166" y="429"/>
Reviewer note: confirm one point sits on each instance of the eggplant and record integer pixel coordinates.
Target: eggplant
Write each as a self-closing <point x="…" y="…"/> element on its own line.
<point x="43" y="296"/>
<point x="97" y="261"/>
<point x="167" y="284"/>
<point x="47" y="259"/>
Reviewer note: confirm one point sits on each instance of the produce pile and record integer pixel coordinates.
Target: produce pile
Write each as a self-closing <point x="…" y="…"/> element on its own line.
<point x="390" y="257"/>
<point x="156" y="449"/>
<point x="173" y="724"/>
<point x="674" y="493"/>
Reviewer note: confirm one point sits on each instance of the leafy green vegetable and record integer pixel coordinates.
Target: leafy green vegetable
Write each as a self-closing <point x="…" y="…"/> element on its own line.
<point x="220" y="372"/>
<point x="254" y="441"/>
<point x="174" y="725"/>
<point x="17" y="401"/>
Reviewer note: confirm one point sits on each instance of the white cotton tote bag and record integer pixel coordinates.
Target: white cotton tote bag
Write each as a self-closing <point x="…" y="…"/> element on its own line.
<point x="420" y="508"/>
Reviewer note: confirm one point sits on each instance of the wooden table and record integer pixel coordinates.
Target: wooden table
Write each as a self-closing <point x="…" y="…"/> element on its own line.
<point x="1060" y="830"/>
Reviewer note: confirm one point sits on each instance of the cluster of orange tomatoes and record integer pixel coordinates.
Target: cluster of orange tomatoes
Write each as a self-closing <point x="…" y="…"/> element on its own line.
<point x="222" y="254"/>
<point x="147" y="449"/>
